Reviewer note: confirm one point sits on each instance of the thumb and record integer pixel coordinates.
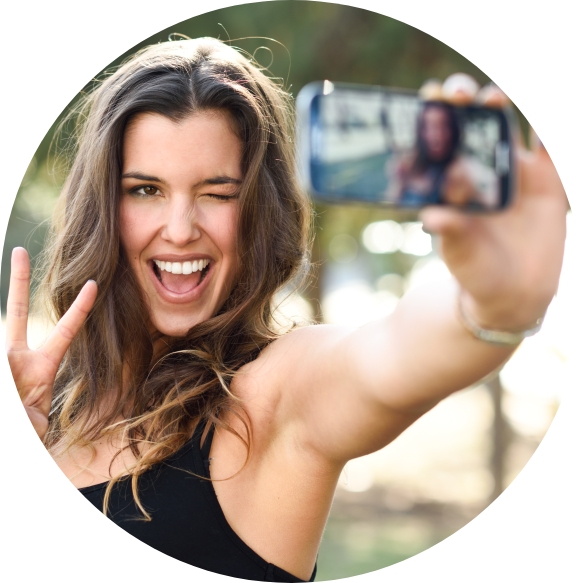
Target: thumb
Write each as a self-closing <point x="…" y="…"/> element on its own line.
<point x="443" y="221"/>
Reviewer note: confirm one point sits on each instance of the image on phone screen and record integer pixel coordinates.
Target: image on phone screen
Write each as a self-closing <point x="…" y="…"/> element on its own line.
<point x="389" y="147"/>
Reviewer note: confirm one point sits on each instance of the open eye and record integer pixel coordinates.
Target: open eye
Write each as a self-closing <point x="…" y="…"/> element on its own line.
<point x="145" y="191"/>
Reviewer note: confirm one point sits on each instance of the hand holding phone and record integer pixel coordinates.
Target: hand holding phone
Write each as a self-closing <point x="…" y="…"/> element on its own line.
<point x="507" y="264"/>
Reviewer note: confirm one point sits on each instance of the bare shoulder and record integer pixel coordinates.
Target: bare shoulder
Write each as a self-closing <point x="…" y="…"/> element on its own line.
<point x="314" y="390"/>
<point x="287" y="357"/>
<point x="276" y="378"/>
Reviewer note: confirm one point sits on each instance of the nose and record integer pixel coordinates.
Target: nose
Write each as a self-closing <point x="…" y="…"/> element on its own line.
<point x="181" y="223"/>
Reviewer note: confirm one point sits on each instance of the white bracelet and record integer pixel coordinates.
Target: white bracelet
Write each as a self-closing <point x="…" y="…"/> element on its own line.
<point x="497" y="337"/>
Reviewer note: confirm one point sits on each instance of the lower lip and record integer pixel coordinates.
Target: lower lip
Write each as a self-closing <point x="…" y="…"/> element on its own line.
<point x="189" y="296"/>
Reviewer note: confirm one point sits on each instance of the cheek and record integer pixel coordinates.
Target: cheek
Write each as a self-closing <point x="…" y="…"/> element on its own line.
<point x="226" y="239"/>
<point x="132" y="229"/>
<point x="224" y="228"/>
<point x="127" y="230"/>
<point x="233" y="240"/>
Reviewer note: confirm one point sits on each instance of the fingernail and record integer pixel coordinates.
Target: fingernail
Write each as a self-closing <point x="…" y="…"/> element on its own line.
<point x="431" y="90"/>
<point x="460" y="83"/>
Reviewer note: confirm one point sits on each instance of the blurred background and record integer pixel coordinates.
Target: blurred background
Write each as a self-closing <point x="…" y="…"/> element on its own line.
<point x="455" y="460"/>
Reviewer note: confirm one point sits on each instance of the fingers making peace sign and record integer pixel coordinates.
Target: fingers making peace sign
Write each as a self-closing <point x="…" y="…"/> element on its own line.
<point x="34" y="371"/>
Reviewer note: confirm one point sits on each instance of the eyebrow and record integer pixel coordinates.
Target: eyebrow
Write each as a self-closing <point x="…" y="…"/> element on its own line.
<point x="216" y="180"/>
<point x="221" y="180"/>
<point x="140" y="176"/>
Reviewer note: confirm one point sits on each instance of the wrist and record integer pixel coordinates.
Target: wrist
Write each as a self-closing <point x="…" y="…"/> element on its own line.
<point x="503" y="327"/>
<point x="509" y="315"/>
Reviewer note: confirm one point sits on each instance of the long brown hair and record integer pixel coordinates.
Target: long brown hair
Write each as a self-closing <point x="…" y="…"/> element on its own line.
<point x="110" y="371"/>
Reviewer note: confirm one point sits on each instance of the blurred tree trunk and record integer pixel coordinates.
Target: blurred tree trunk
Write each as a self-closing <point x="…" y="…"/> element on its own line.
<point x="501" y="435"/>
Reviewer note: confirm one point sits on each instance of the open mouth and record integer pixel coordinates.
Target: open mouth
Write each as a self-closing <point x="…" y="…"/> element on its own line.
<point x="181" y="277"/>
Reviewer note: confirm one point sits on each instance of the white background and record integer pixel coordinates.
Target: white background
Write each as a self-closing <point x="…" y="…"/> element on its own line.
<point x="532" y="50"/>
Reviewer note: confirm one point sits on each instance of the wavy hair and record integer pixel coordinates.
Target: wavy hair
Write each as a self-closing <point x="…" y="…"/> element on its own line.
<point x="110" y="371"/>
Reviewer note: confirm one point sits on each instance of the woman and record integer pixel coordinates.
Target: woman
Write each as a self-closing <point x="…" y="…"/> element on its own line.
<point x="165" y="370"/>
<point x="435" y="171"/>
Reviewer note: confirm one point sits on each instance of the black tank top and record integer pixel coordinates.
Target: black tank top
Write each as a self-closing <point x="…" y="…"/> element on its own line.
<point x="187" y="520"/>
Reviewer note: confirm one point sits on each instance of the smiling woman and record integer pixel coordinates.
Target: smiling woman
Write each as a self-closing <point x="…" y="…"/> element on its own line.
<point x="178" y="214"/>
<point x="167" y="393"/>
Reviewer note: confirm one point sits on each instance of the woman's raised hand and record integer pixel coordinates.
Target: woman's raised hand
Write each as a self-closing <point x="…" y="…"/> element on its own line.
<point x="34" y="371"/>
<point x="507" y="263"/>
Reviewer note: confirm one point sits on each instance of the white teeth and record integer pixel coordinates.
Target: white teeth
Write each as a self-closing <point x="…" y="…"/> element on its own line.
<point x="185" y="268"/>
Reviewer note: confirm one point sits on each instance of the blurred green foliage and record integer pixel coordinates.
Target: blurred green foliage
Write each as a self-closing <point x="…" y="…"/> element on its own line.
<point x="299" y="42"/>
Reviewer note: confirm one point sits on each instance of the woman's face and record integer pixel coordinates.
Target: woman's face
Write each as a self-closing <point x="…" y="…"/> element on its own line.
<point x="436" y="133"/>
<point x="178" y="214"/>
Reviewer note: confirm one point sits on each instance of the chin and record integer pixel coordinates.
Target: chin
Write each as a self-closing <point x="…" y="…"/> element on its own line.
<point x="178" y="328"/>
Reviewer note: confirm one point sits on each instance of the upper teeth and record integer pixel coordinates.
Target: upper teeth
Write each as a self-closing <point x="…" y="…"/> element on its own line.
<point x="184" y="267"/>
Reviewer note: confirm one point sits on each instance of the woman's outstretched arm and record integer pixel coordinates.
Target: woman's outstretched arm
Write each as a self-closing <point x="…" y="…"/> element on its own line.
<point x="351" y="392"/>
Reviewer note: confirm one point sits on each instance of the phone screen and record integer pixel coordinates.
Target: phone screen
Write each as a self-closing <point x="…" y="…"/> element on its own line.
<point x="368" y="144"/>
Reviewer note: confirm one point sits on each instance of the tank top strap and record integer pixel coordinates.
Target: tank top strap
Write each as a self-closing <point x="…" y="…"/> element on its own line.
<point x="205" y="448"/>
<point x="208" y="440"/>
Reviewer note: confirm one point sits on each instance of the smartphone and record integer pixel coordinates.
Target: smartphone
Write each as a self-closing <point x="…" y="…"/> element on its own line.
<point x="370" y="144"/>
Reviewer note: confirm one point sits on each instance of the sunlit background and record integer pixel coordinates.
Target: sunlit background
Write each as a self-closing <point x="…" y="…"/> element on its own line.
<point x="456" y="459"/>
